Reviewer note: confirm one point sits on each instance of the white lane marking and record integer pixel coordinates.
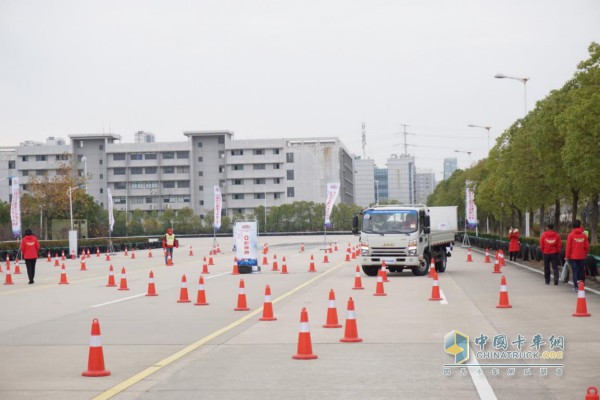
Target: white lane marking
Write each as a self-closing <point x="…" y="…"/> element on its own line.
<point x="484" y="389"/>
<point x="538" y="271"/>
<point x="143" y="294"/>
<point x="443" y="296"/>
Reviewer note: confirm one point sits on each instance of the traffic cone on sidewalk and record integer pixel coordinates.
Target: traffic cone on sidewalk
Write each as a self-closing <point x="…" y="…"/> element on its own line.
<point x="332" y="317"/>
<point x="357" y="280"/>
<point x="351" y="331"/>
<point x="267" y="307"/>
<point x="496" y="267"/>
<point x="435" y="288"/>
<point x="151" y="287"/>
<point x="95" y="355"/>
<point x="469" y="257"/>
<point x="311" y="267"/>
<point x="275" y="267"/>
<point x="63" y="276"/>
<point x="183" y="292"/>
<point x="111" y="277"/>
<point x="123" y="283"/>
<point x="201" y="298"/>
<point x="487" y="256"/>
<point x="379" y="291"/>
<point x="503" y="295"/>
<point x="581" y="310"/>
<point x="8" y="277"/>
<point x="283" y="266"/>
<point x="304" y="351"/>
<point x="241" y="303"/>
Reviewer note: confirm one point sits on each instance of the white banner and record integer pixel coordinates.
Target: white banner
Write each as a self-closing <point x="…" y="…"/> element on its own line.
<point x="246" y="243"/>
<point x="333" y="189"/>
<point x="111" y="218"/>
<point x="471" y="208"/>
<point x="15" y="208"/>
<point x="218" y="208"/>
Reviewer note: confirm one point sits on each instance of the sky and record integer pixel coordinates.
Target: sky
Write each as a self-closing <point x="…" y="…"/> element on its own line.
<point x="276" y="69"/>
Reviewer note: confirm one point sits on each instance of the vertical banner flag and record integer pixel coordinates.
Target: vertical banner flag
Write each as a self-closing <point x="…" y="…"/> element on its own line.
<point x="471" y="208"/>
<point x="246" y="243"/>
<point x="218" y="207"/>
<point x="333" y="190"/>
<point x="111" y="218"/>
<point x="15" y="208"/>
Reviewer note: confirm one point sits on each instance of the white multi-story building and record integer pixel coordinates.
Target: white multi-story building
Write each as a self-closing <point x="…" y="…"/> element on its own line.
<point x="401" y="179"/>
<point x="424" y="184"/>
<point x="367" y="187"/>
<point x="150" y="175"/>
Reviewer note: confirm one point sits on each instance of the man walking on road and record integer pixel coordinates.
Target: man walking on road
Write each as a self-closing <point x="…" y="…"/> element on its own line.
<point x="577" y="249"/>
<point x="30" y="247"/>
<point x="169" y="241"/>
<point x="550" y="244"/>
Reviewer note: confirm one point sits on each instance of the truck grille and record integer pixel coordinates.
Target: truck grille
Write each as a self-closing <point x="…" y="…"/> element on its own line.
<point x="388" y="251"/>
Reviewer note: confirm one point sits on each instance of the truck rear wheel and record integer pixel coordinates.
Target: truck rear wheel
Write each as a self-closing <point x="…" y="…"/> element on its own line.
<point x="423" y="267"/>
<point x="370" y="271"/>
<point x="440" y="265"/>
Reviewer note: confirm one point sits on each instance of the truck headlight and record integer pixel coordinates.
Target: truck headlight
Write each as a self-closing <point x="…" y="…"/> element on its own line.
<point x="364" y="249"/>
<point x="412" y="248"/>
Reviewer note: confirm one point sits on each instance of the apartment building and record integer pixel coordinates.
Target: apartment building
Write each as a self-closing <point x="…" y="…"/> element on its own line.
<point x="401" y="178"/>
<point x="367" y="186"/>
<point x="424" y="184"/>
<point x="149" y="175"/>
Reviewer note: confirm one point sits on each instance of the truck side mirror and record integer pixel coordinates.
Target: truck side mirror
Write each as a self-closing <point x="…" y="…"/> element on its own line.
<point x="427" y="227"/>
<point x="355" y="225"/>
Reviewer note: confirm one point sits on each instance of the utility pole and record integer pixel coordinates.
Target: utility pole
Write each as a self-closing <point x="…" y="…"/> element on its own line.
<point x="364" y="140"/>
<point x="405" y="139"/>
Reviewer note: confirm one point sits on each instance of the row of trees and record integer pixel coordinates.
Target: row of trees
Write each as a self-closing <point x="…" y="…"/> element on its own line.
<point x="547" y="163"/>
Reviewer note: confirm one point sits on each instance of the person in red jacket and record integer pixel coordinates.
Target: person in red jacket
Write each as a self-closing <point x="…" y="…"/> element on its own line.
<point x="30" y="247"/>
<point x="550" y="244"/>
<point x="513" y="247"/>
<point x="169" y="241"/>
<point x="576" y="252"/>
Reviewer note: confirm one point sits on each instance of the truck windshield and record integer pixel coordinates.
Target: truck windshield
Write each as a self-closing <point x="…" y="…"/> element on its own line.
<point x="390" y="221"/>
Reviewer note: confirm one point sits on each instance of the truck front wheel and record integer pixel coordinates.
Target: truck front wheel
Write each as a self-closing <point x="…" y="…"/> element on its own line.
<point x="440" y="265"/>
<point x="423" y="267"/>
<point x="370" y="271"/>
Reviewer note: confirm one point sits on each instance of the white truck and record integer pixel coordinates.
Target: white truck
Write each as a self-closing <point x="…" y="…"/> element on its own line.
<point x="405" y="236"/>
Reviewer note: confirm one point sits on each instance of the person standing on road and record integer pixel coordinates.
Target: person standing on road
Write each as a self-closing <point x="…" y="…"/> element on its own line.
<point x="169" y="241"/>
<point x="30" y="247"/>
<point x="513" y="247"/>
<point x="576" y="253"/>
<point x="550" y="244"/>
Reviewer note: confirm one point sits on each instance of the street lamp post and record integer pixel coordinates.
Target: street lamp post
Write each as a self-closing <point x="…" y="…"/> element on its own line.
<point x="466" y="152"/>
<point x="483" y="127"/>
<point x="524" y="81"/>
<point x="70" y="194"/>
<point x="72" y="232"/>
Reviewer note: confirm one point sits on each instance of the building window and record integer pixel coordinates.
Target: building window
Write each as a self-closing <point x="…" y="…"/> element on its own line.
<point x="200" y="173"/>
<point x="137" y="185"/>
<point x="201" y="202"/>
<point x="258" y="152"/>
<point x="168" y="170"/>
<point x="237" y="152"/>
<point x="169" y="155"/>
<point x="81" y="143"/>
<point x="201" y="188"/>
<point x="183" y="184"/>
<point x="238" y="196"/>
<point x="290" y="174"/>
<point x="41" y="158"/>
<point x="276" y="180"/>
<point x="149" y="200"/>
<point x="290" y="192"/>
<point x="289" y="157"/>
<point x="199" y="144"/>
<point x="151" y="185"/>
<point x="258" y="166"/>
<point x="221" y="182"/>
<point x="259" y="195"/>
<point x="260" y="181"/>
<point x="101" y="176"/>
<point x="101" y="190"/>
<point x="120" y="185"/>
<point x="136" y="156"/>
<point x="101" y="147"/>
<point x="151" y="170"/>
<point x="119" y="171"/>
<point x="137" y="171"/>
<point x="101" y="161"/>
<point x="183" y="170"/>
<point x="11" y="164"/>
<point x="276" y="166"/>
<point x="221" y="154"/>
<point x="24" y="158"/>
<point x="168" y="184"/>
<point x="200" y="159"/>
<point x="40" y="172"/>
<point x="119" y="157"/>
<point x="221" y="140"/>
<point x="237" y="181"/>
<point x="275" y="151"/>
<point x="221" y="168"/>
<point x="150" y="156"/>
<point x="183" y="155"/>
<point x="237" y="167"/>
<point x="277" y="195"/>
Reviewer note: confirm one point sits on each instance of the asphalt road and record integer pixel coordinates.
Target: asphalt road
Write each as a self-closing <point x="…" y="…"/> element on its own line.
<point x="157" y="348"/>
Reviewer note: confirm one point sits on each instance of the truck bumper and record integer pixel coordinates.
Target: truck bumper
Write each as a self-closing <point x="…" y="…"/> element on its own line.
<point x="412" y="261"/>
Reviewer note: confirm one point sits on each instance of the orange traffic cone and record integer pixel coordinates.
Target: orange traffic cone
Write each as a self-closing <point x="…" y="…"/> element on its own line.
<point x="204" y="267"/>
<point x="95" y="355"/>
<point x="265" y="248"/>
<point x="191" y="252"/>
<point x="496" y="267"/>
<point x="8" y="278"/>
<point x="581" y="310"/>
<point x="347" y="255"/>
<point x="267" y="307"/>
<point x="82" y="266"/>
<point x="503" y="295"/>
<point x="275" y="267"/>
<point x="265" y="261"/>
<point x="62" y="257"/>
<point x="332" y="317"/>
<point x="357" y="280"/>
<point x="107" y="256"/>
<point x="384" y="272"/>
<point x="469" y="257"/>
<point x="356" y="253"/>
<point x="49" y="257"/>
<point x="133" y="254"/>
<point x="432" y="270"/>
<point x="17" y="267"/>
<point x="325" y="258"/>
<point x="502" y="259"/>
<point x="302" y="248"/>
<point x="72" y="254"/>
<point x="379" y="288"/>
<point x="241" y="303"/>
<point x="304" y="351"/>
<point x="435" y="288"/>
<point x="236" y="269"/>
<point x="335" y="247"/>
<point x="201" y="299"/>
<point x="351" y="331"/>
<point x="169" y="260"/>
<point x="150" y="253"/>
<point x="183" y="292"/>
<point x="63" y="276"/>
<point x="283" y="266"/>
<point x="330" y="250"/>
<point x="88" y="253"/>
<point x="126" y="252"/>
<point x="56" y="263"/>
<point x="123" y="283"/>
<point x="151" y="287"/>
<point x="487" y="256"/>
<point x="592" y="393"/>
<point x="218" y="248"/>
<point x="311" y="267"/>
<point x="111" y="277"/>
<point x="97" y="252"/>
<point x="210" y="261"/>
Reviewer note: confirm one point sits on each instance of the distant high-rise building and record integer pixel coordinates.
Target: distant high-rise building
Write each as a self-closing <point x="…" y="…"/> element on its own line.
<point x="381" y="176"/>
<point x="450" y="165"/>
<point x="366" y="189"/>
<point x="425" y="183"/>
<point x="401" y="178"/>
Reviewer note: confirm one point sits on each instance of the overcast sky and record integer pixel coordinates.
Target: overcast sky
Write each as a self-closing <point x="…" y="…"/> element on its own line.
<point x="271" y="69"/>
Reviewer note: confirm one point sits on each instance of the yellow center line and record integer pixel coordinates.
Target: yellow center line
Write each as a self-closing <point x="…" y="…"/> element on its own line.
<point x="176" y="356"/>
